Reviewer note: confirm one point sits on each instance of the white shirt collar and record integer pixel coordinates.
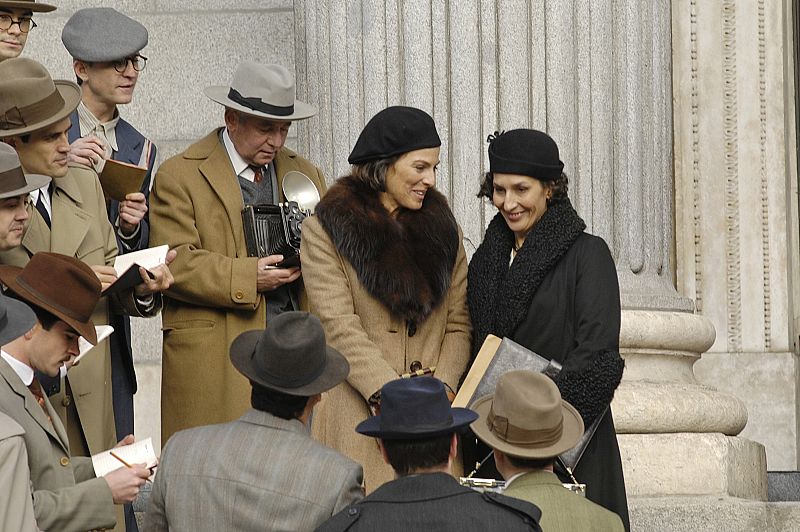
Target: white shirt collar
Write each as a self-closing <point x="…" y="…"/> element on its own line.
<point x="515" y="477"/>
<point x="24" y="371"/>
<point x="240" y="166"/>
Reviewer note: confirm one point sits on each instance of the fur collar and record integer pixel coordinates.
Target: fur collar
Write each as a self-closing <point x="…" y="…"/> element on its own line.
<point x="499" y="295"/>
<point x="404" y="262"/>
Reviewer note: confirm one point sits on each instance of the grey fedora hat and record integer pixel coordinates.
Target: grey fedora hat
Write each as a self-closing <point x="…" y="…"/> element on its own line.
<point x="100" y="34"/>
<point x="267" y="91"/>
<point x="13" y="182"/>
<point x="29" y="98"/>
<point x="16" y="318"/>
<point x="28" y="5"/>
<point x="526" y="417"/>
<point x="290" y="356"/>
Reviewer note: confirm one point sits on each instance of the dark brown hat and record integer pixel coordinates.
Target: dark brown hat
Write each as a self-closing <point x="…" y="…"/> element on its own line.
<point x="525" y="152"/>
<point x="61" y="285"/>
<point x="28" y="5"/>
<point x="290" y="356"/>
<point x="526" y="417"/>
<point x="29" y="98"/>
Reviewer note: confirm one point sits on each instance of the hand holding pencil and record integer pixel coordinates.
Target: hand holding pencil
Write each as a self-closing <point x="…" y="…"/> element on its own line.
<point x="126" y="482"/>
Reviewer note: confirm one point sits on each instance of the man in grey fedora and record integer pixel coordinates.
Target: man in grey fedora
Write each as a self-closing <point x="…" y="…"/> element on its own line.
<point x="14" y="189"/>
<point x="266" y="461"/>
<point x="416" y="431"/>
<point x="528" y="425"/>
<point x="16" y="21"/>
<point x="196" y="208"/>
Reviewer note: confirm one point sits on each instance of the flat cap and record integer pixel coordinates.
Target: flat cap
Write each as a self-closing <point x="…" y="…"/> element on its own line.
<point x="98" y="34"/>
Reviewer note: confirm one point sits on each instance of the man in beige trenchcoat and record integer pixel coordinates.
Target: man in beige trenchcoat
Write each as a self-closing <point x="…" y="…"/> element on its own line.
<point x="196" y="208"/>
<point x="72" y="221"/>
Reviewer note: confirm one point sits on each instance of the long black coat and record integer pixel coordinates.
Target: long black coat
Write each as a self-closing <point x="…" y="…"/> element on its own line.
<point x="560" y="298"/>
<point x="433" y="501"/>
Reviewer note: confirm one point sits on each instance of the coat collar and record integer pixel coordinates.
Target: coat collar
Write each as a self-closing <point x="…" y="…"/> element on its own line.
<point x="54" y="429"/>
<point x="414" y="488"/>
<point x="499" y="294"/>
<point x="265" y="419"/>
<point x="405" y="262"/>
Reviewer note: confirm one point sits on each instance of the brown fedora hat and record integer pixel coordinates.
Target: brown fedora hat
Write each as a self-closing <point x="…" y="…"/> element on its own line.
<point x="526" y="417"/>
<point x="28" y="5"/>
<point x="61" y="285"/>
<point x="13" y="182"/>
<point x="29" y="98"/>
<point x="290" y="356"/>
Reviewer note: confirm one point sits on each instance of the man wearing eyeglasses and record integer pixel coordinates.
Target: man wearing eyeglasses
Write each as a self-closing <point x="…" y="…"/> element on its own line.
<point x="15" y="23"/>
<point x="105" y="46"/>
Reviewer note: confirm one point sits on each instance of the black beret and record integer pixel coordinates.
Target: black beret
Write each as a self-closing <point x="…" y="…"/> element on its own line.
<point x="525" y="152"/>
<point x="394" y="131"/>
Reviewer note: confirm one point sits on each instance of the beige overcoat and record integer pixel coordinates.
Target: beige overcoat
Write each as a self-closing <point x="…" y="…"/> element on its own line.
<point x="196" y="207"/>
<point x="376" y="343"/>
<point x="81" y="229"/>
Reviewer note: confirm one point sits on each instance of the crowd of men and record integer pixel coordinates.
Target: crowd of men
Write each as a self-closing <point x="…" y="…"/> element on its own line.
<point x="59" y="238"/>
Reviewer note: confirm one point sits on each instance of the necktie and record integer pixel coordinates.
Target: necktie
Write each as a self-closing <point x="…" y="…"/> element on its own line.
<point x="36" y="390"/>
<point x="257" y="173"/>
<point x="42" y="209"/>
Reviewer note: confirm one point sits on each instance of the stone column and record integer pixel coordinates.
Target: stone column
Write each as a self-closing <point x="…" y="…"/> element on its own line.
<point x="596" y="76"/>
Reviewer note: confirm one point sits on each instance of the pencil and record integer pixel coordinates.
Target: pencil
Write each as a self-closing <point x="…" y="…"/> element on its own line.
<point x="126" y="464"/>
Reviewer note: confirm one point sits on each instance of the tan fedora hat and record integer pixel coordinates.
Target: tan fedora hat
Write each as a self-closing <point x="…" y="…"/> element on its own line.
<point x="28" y="5"/>
<point x="59" y="284"/>
<point x="29" y="98"/>
<point x="526" y="417"/>
<point x="13" y="182"/>
<point x="267" y="91"/>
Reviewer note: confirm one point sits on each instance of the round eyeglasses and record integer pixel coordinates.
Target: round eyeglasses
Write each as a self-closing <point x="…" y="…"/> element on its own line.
<point x="138" y="62"/>
<point x="24" y="24"/>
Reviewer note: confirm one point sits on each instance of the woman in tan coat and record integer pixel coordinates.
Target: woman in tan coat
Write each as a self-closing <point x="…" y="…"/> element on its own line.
<point x="385" y="271"/>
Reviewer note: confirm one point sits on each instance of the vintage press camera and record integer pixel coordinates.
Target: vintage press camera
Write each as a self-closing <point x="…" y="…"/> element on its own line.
<point x="276" y="229"/>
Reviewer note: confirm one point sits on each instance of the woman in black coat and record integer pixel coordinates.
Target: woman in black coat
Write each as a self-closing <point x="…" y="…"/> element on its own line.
<point x="540" y="280"/>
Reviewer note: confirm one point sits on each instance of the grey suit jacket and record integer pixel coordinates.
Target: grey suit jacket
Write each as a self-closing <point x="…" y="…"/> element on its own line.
<point x="562" y="510"/>
<point x="259" y="472"/>
<point x="16" y="502"/>
<point x="66" y="494"/>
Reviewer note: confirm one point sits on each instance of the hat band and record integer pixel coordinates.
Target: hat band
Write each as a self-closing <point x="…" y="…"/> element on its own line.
<point x="256" y="104"/>
<point x="13" y="179"/>
<point x="44" y="299"/>
<point x="509" y="433"/>
<point x="17" y="117"/>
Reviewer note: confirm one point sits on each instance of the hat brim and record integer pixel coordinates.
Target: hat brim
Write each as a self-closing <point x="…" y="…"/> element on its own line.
<point x="570" y="435"/>
<point x="35" y="7"/>
<point x="335" y="372"/>
<point x="219" y="94"/>
<point x="372" y="427"/>
<point x="9" y="275"/>
<point x="71" y="94"/>
<point x="21" y="319"/>
<point x="35" y="181"/>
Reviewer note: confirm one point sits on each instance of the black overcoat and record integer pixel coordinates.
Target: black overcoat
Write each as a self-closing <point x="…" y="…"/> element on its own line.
<point x="560" y="299"/>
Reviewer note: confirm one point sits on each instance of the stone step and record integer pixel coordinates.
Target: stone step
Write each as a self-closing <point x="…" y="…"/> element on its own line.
<point x="783" y="486"/>
<point x="712" y="514"/>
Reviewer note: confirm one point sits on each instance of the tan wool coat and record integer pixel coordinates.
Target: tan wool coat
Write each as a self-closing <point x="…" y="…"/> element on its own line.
<point x="80" y="229"/>
<point x="376" y="343"/>
<point x="196" y="207"/>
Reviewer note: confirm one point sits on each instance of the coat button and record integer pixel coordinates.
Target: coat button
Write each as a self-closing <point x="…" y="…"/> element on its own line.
<point x="239" y="294"/>
<point x="352" y="511"/>
<point x="64" y="461"/>
<point x="66" y="401"/>
<point x="415" y="366"/>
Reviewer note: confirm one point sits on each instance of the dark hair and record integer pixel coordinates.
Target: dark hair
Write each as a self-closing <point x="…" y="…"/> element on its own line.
<point x="560" y="187"/>
<point x="407" y="456"/>
<point x="530" y="463"/>
<point x="46" y="318"/>
<point x="277" y="403"/>
<point x="373" y="173"/>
